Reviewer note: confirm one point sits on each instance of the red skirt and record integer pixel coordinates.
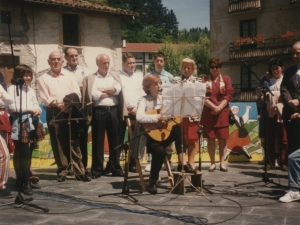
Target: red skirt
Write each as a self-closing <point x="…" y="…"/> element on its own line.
<point x="190" y="130"/>
<point x="216" y="132"/>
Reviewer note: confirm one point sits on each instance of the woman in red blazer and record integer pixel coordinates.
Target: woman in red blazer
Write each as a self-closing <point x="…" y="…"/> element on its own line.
<point x="216" y="111"/>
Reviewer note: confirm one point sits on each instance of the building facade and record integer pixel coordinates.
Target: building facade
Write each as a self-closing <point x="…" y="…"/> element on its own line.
<point x="143" y="53"/>
<point x="39" y="27"/>
<point x="246" y="34"/>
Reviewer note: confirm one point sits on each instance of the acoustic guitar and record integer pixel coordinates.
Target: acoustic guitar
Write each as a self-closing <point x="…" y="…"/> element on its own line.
<point x="159" y="131"/>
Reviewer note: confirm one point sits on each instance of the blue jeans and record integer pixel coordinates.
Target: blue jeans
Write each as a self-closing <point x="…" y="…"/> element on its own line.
<point x="294" y="169"/>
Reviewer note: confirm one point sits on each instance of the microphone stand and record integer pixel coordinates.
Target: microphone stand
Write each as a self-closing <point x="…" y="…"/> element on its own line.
<point x="19" y="83"/>
<point x="265" y="177"/>
<point x="200" y="132"/>
<point x="124" y="145"/>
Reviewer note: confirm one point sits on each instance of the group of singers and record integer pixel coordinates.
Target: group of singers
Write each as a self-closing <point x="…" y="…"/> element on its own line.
<point x="107" y="98"/>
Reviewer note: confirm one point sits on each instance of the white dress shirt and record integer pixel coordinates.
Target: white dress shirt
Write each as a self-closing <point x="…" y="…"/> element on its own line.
<point x="132" y="87"/>
<point x="80" y="73"/>
<point x="53" y="88"/>
<point x="105" y="82"/>
<point x="29" y="101"/>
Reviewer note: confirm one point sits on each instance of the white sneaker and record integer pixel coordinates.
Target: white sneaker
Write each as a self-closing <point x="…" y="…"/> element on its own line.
<point x="148" y="167"/>
<point x="290" y="196"/>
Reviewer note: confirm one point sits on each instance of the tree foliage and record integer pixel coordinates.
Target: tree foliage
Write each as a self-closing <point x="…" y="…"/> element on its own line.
<point x="154" y="23"/>
<point x="198" y="51"/>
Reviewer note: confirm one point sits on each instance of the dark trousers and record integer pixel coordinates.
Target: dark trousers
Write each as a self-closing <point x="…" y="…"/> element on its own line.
<point x="22" y="161"/>
<point x="276" y="135"/>
<point x="122" y="130"/>
<point x="83" y="139"/>
<point x="157" y="149"/>
<point x="293" y="134"/>
<point x="105" y="120"/>
<point x="62" y="143"/>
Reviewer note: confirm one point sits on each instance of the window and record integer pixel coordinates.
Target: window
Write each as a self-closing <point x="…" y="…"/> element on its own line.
<point x="248" y="80"/>
<point x="139" y="68"/>
<point x="248" y="28"/>
<point x="70" y="29"/>
<point x="151" y="56"/>
<point x="138" y="55"/>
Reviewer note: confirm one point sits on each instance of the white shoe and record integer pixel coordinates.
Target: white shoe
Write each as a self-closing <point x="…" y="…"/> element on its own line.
<point x="148" y="167"/>
<point x="290" y="196"/>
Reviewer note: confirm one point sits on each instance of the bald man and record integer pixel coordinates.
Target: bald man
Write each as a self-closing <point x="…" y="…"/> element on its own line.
<point x="53" y="86"/>
<point x="103" y="90"/>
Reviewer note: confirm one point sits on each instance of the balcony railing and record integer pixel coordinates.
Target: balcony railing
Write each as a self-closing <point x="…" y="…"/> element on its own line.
<point x="269" y="48"/>
<point x="242" y="5"/>
<point x="244" y="96"/>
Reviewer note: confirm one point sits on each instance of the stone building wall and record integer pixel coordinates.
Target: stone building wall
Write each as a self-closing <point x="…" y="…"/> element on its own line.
<point x="276" y="17"/>
<point x="38" y="31"/>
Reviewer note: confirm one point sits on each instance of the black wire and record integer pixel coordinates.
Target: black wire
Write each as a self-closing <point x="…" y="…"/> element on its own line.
<point x="153" y="212"/>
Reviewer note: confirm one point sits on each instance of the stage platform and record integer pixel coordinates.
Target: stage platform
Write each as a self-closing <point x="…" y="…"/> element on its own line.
<point x="73" y="202"/>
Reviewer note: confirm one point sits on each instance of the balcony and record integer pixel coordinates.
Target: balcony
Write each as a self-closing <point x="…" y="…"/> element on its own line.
<point x="243" y="5"/>
<point x="273" y="47"/>
<point x="244" y="96"/>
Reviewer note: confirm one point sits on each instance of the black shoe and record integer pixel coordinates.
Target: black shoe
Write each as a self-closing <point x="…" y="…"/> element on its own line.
<point x="223" y="169"/>
<point x="61" y="178"/>
<point x="107" y="171"/>
<point x="35" y="186"/>
<point x="5" y="193"/>
<point x="86" y="172"/>
<point x="84" y="178"/>
<point x="96" y="175"/>
<point x="117" y="173"/>
<point x="152" y="189"/>
<point x="27" y="189"/>
<point x="212" y="169"/>
<point x="186" y="169"/>
<point x="133" y="169"/>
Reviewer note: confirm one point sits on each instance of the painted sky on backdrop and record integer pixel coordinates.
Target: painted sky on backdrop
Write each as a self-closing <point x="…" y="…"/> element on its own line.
<point x="189" y="13"/>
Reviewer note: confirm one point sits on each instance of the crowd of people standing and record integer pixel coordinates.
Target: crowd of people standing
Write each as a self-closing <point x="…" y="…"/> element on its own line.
<point x="107" y="98"/>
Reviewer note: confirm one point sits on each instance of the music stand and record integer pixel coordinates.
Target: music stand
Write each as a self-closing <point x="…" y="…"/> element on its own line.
<point x="69" y="105"/>
<point x="175" y="98"/>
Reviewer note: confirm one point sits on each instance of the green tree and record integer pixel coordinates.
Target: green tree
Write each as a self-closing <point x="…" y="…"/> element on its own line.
<point x="153" y="24"/>
<point x="199" y="52"/>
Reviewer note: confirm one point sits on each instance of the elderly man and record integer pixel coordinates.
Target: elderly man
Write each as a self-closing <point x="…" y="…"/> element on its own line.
<point x="103" y="89"/>
<point x="132" y="89"/>
<point x="53" y="87"/>
<point x="79" y="72"/>
<point x="290" y="94"/>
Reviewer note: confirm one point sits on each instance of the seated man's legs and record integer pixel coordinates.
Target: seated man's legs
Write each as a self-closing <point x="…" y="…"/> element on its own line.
<point x="294" y="177"/>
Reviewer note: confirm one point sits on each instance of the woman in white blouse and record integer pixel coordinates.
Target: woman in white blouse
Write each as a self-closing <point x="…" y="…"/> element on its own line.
<point x="31" y="129"/>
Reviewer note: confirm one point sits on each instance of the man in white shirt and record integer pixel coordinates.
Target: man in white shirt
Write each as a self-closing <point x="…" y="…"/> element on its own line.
<point x="132" y="87"/>
<point x="103" y="90"/>
<point x="79" y="72"/>
<point x="53" y="87"/>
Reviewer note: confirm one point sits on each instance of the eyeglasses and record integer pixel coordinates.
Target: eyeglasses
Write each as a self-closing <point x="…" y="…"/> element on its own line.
<point x="214" y="67"/>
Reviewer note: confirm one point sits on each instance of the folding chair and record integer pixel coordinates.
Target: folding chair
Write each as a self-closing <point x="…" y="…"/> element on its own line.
<point x="141" y="176"/>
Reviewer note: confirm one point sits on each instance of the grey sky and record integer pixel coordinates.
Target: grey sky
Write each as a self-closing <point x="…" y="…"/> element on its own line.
<point x="190" y="13"/>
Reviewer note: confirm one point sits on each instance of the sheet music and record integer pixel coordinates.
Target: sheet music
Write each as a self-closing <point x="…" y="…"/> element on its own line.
<point x="172" y="100"/>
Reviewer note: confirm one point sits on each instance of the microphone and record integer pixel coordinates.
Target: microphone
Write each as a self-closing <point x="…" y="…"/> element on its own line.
<point x="266" y="86"/>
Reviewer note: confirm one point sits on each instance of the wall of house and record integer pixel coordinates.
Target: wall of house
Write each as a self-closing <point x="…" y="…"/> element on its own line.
<point x="277" y="17"/>
<point x="38" y="32"/>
